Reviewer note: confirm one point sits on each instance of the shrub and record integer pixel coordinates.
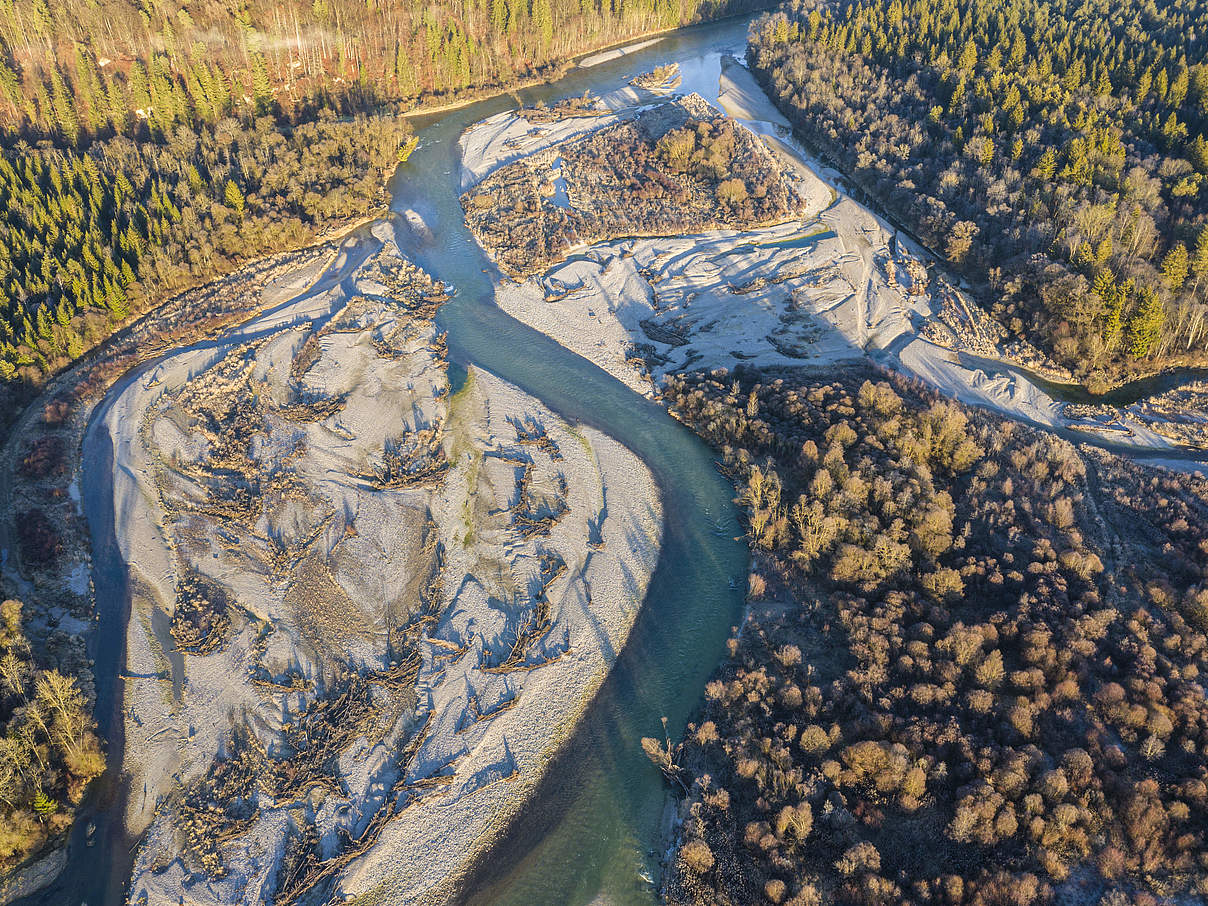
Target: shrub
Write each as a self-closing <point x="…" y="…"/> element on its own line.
<point x="697" y="856"/>
<point x="731" y="192"/>
<point x="39" y="542"/>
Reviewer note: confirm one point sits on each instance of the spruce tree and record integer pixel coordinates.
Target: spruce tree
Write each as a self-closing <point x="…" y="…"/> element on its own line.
<point x="1145" y="326"/>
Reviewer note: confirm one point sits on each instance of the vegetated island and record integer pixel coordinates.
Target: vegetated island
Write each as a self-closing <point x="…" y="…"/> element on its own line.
<point x="676" y="167"/>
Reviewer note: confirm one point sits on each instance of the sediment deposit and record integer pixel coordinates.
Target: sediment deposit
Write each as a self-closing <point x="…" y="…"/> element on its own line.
<point x="366" y="610"/>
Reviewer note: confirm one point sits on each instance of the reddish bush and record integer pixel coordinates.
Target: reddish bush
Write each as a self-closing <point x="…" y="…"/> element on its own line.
<point x="44" y="458"/>
<point x="40" y="544"/>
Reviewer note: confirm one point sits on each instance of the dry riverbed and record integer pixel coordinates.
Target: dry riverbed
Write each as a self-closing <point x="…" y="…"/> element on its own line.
<point x="366" y="610"/>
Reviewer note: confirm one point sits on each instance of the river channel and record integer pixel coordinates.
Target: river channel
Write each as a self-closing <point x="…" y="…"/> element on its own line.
<point x="590" y="833"/>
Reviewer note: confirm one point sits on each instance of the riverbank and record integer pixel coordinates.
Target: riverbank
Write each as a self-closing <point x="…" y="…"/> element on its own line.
<point x="586" y="59"/>
<point x="596" y="565"/>
<point x="58" y="594"/>
<point x="838" y="284"/>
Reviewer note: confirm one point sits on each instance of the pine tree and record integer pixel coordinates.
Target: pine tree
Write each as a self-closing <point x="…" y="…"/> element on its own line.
<point x="233" y="198"/>
<point x="499" y="16"/>
<point x="262" y="91"/>
<point x="89" y="91"/>
<point x="968" y="57"/>
<point x="543" y="21"/>
<point x="1174" y="267"/>
<point x="404" y="73"/>
<point x="1145" y="326"/>
<point x="1113" y="297"/>
<point x="1046" y="166"/>
<point x="1197" y="153"/>
<point x="1178" y="89"/>
<point x="140" y="92"/>
<point x="10" y="89"/>
<point x="66" y="120"/>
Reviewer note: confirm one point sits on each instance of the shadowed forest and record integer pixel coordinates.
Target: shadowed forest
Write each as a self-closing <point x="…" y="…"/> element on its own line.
<point x="972" y="672"/>
<point x="1054" y="152"/>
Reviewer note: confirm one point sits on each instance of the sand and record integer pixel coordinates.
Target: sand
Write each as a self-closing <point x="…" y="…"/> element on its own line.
<point x="177" y="712"/>
<point x="330" y="559"/>
<point x="605" y="56"/>
<point x="609" y="541"/>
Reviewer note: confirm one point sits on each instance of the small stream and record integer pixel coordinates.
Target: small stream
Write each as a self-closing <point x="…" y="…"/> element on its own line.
<point x="1122" y="395"/>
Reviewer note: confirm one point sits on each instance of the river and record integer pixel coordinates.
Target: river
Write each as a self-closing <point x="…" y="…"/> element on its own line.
<point x="589" y="832"/>
<point x="589" y="835"/>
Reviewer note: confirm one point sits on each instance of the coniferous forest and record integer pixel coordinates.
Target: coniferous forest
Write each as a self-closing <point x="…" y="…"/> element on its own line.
<point x="1052" y="151"/>
<point x="91" y="237"/>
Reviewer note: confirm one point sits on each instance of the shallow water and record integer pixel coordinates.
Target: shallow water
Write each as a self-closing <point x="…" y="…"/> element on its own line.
<point x="588" y="833"/>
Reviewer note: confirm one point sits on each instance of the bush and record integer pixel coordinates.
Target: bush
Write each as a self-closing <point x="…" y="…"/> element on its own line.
<point x="696" y="855"/>
<point x="731" y="192"/>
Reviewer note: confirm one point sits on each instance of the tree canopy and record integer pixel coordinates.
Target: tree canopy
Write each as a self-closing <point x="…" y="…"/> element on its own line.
<point x="1052" y="150"/>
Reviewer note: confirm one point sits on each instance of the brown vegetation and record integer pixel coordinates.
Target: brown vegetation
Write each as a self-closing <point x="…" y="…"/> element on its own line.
<point x="200" y="620"/>
<point x="48" y="750"/>
<point x="37" y="538"/>
<point x="680" y="167"/>
<point x="979" y="673"/>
